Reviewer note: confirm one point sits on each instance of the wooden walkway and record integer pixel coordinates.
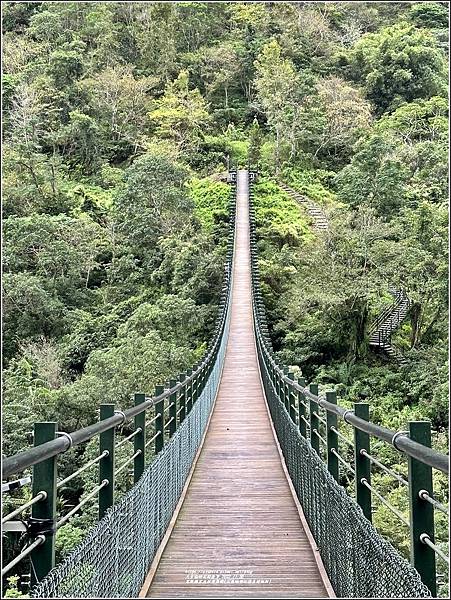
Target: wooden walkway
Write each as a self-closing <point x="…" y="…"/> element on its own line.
<point x="240" y="532"/>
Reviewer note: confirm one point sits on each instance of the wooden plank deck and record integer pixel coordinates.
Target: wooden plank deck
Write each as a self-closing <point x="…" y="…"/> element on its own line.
<point x="239" y="532"/>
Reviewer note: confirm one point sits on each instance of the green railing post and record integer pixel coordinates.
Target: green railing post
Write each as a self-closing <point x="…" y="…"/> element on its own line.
<point x="172" y="409"/>
<point x="281" y="387"/>
<point x="291" y="399"/>
<point x="106" y="465"/>
<point x="274" y="377"/>
<point x="271" y="376"/>
<point x="314" y="421"/>
<point x="193" y="388"/>
<point x="202" y="377"/>
<point x="207" y="370"/>
<point x="301" y="408"/>
<point x="421" y="512"/>
<point x="362" y="463"/>
<point x="277" y="386"/>
<point x="199" y="380"/>
<point x="139" y="439"/>
<point x="189" y="393"/>
<point x="332" y="437"/>
<point x="195" y="393"/>
<point x="182" y="399"/>
<point x="286" y="391"/>
<point x="44" y="480"/>
<point x="159" y="422"/>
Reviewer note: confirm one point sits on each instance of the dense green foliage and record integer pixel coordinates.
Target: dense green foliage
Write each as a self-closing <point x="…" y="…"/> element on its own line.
<point x="116" y="114"/>
<point x="397" y="64"/>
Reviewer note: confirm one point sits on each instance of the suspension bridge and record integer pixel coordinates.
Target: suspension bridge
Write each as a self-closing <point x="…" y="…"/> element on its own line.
<point x="237" y="468"/>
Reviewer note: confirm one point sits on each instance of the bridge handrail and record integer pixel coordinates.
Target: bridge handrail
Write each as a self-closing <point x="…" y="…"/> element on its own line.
<point x="397" y="439"/>
<point x="191" y="384"/>
<point x="32" y="456"/>
<point x="288" y="400"/>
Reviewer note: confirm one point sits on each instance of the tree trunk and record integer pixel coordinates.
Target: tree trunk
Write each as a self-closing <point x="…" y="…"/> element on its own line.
<point x="431" y="323"/>
<point x="361" y="320"/>
<point x="416" y="320"/>
<point x="53" y="179"/>
<point x="30" y="168"/>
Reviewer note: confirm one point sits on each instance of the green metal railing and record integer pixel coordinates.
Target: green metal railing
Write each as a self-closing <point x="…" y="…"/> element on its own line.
<point x="317" y="419"/>
<point x="152" y="422"/>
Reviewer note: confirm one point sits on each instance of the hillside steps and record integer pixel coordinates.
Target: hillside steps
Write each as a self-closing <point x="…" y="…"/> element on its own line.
<point x="390" y="318"/>
<point x="318" y="216"/>
<point x="386" y="324"/>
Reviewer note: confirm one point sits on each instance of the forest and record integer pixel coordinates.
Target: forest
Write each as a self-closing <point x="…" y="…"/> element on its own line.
<point x="119" y="122"/>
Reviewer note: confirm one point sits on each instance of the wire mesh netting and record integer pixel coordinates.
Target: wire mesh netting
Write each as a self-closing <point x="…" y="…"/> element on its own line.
<point x="360" y="563"/>
<point x="114" y="558"/>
